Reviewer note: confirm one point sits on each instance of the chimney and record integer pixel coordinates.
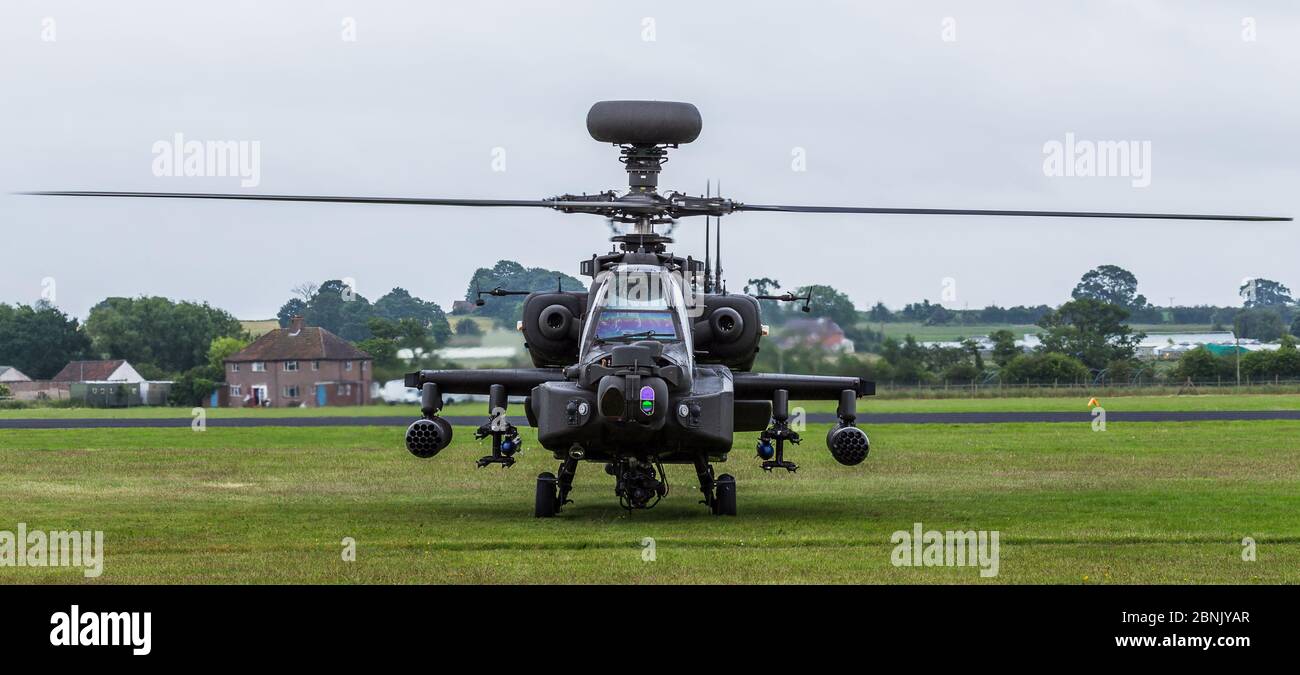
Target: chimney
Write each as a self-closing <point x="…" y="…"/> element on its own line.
<point x="295" y="325"/>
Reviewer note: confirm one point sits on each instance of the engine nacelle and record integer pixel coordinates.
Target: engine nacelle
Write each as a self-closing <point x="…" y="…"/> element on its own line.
<point x="553" y="327"/>
<point x="728" y="331"/>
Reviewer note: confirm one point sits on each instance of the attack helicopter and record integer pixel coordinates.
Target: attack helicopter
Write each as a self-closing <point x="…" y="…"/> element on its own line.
<point x="652" y="364"/>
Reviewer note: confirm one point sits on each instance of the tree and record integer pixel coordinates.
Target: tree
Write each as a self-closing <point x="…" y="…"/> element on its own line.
<point x="1110" y="284"/>
<point x="1044" y="368"/>
<point x="174" y="336"/>
<point x="907" y="360"/>
<point x="294" y="307"/>
<point x="973" y="348"/>
<point x="398" y="304"/>
<point x="1198" y="364"/>
<point x="192" y="388"/>
<point x="1091" y="331"/>
<point x="879" y="313"/>
<point x="39" y="340"/>
<point x="468" y="327"/>
<point x="223" y="348"/>
<point x="511" y="276"/>
<point x="1264" y="293"/>
<point x="770" y="310"/>
<point x="1004" y="347"/>
<point x="339" y="309"/>
<point x="830" y="303"/>
<point x="1260" y="324"/>
<point x="1295" y="326"/>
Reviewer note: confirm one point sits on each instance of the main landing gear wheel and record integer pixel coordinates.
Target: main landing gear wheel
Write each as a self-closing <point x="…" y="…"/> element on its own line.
<point x="547" y="503"/>
<point x="725" y="503"/>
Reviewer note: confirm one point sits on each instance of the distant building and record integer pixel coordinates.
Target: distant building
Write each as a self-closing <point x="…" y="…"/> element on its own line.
<point x="298" y="366"/>
<point x="114" y="370"/>
<point x="12" y="374"/>
<point x="820" y="332"/>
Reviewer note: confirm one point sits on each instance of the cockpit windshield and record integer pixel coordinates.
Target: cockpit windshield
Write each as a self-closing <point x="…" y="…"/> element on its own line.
<point x="637" y="302"/>
<point x="639" y="324"/>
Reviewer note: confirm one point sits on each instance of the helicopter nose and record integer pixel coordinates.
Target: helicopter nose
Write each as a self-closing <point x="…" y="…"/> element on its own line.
<point x="632" y="398"/>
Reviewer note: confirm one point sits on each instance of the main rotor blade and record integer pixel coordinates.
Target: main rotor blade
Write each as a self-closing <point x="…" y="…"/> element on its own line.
<point x="311" y="198"/>
<point x="992" y="212"/>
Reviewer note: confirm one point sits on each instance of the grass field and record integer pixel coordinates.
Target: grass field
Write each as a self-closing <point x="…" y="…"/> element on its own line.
<point x="1078" y="403"/>
<point x="1138" y="503"/>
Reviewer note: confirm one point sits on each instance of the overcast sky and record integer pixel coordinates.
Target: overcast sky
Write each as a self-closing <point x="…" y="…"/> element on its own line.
<point x="885" y="106"/>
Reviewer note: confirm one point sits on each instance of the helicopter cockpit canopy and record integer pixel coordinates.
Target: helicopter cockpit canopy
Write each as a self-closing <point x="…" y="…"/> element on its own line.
<point x="636" y="303"/>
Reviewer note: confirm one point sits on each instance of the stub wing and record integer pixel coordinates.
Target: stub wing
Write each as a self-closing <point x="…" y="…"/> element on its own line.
<point x="805" y="387"/>
<point x="517" y="381"/>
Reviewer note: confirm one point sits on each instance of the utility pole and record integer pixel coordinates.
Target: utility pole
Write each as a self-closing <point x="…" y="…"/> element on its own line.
<point x="1236" y="341"/>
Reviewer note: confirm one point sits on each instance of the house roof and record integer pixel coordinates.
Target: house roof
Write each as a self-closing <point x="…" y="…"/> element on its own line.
<point x="6" y="370"/>
<point x="308" y="344"/>
<point x="88" y="371"/>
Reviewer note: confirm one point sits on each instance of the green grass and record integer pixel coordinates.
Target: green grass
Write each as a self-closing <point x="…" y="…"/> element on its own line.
<point x="1077" y="403"/>
<point x="1135" y="504"/>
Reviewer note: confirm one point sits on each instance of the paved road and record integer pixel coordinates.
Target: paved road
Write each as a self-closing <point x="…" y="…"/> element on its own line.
<point x="864" y="419"/>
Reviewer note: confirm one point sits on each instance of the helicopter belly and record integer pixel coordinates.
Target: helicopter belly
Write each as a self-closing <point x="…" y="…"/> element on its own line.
<point x="634" y="417"/>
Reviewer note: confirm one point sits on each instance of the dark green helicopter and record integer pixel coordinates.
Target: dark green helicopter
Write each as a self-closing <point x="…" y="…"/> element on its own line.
<point x="652" y="364"/>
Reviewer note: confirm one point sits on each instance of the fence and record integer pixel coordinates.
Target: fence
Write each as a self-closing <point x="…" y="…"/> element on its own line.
<point x="998" y="389"/>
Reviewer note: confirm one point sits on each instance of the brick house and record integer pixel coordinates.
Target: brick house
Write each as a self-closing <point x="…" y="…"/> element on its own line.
<point x="298" y="365"/>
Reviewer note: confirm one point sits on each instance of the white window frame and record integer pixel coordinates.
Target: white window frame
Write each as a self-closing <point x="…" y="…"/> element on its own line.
<point x="291" y="391"/>
<point x="315" y="365"/>
<point x="258" y="367"/>
<point x="287" y="369"/>
<point x="347" y="365"/>
<point x="236" y="390"/>
<point x="234" y="367"/>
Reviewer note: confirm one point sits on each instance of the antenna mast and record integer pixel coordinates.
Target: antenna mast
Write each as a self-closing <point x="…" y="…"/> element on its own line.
<point x="717" y="274"/>
<point x="708" y="273"/>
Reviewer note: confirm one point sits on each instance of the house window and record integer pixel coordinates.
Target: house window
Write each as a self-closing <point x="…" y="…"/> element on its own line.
<point x="290" y="391"/>
<point x="234" y="367"/>
<point x="363" y="366"/>
<point x="345" y="390"/>
<point x="259" y="366"/>
<point x="236" y="390"/>
<point x="290" y="366"/>
<point x="315" y="365"/>
<point x="347" y="365"/>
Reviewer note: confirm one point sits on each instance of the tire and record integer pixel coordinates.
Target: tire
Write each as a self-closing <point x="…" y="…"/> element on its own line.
<point x="545" y="506"/>
<point x="725" y="504"/>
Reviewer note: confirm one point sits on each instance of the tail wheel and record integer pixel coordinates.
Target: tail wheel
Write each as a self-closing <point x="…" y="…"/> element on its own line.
<point x="548" y="502"/>
<point x="725" y="502"/>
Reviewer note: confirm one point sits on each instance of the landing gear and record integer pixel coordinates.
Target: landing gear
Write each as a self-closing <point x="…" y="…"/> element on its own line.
<point x="719" y="493"/>
<point x="725" y="504"/>
<point x="553" y="492"/>
<point x="547" y="502"/>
